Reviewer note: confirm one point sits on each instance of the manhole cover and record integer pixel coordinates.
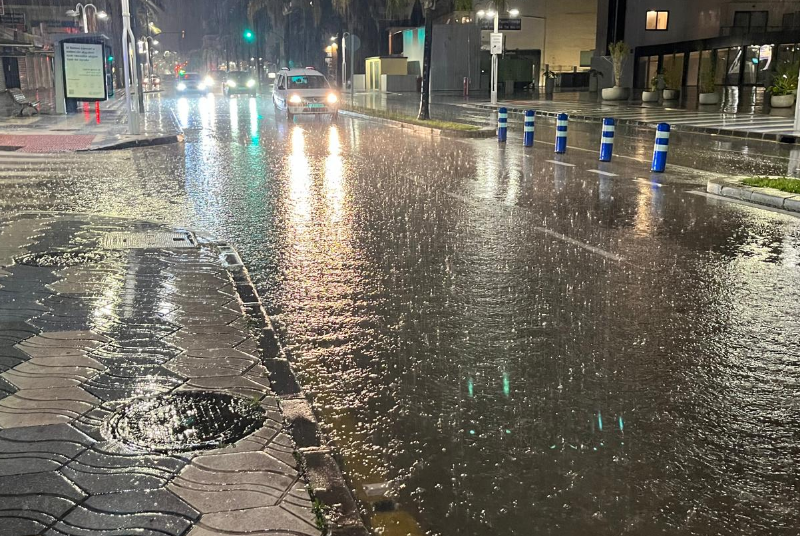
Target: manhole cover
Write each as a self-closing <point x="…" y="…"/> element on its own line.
<point x="154" y="240"/>
<point x="184" y="421"/>
<point x="50" y="259"/>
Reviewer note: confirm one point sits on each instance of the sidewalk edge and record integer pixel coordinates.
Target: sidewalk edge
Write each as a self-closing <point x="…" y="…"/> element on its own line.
<point x="320" y="463"/>
<point x="733" y="188"/>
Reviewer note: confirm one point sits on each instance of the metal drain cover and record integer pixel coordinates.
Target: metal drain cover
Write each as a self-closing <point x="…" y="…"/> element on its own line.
<point x="155" y="240"/>
<point x="57" y="259"/>
<point x="184" y="421"/>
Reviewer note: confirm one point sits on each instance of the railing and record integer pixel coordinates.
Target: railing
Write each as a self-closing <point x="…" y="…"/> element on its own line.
<point x="739" y="31"/>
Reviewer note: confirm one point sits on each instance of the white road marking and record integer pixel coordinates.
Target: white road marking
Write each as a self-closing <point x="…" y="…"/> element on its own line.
<point x="651" y="183"/>
<point x="603" y="173"/>
<point x="560" y="163"/>
<point x="545" y="230"/>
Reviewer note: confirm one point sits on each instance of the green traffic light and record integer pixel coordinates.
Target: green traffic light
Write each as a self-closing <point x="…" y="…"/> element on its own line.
<point x="248" y="35"/>
<point x="110" y="59"/>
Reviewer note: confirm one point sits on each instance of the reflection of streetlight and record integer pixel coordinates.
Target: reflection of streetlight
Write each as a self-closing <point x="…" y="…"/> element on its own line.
<point x="496" y="16"/>
<point x="80" y="11"/>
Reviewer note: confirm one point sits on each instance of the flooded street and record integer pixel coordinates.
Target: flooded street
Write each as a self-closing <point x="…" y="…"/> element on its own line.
<point x="518" y="342"/>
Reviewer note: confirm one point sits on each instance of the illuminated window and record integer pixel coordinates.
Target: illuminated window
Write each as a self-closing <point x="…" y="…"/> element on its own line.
<point x="657" y="20"/>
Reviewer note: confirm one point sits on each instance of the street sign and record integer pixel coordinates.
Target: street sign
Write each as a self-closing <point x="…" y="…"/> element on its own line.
<point x="84" y="71"/>
<point x="496" y="43"/>
<point x="352" y="42"/>
<point x="503" y="24"/>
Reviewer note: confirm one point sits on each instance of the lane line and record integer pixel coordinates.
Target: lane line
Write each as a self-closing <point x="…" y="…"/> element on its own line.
<point x="603" y="173"/>
<point x="650" y="183"/>
<point x="544" y="230"/>
<point x="560" y="163"/>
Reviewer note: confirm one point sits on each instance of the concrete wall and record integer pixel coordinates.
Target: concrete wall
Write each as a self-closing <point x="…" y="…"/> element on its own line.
<point x="455" y="55"/>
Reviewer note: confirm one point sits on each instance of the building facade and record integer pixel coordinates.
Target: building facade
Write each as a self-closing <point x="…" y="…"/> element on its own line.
<point x="742" y="43"/>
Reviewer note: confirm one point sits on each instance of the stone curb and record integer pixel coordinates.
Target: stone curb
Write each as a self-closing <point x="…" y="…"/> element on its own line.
<point x="319" y="462"/>
<point x="765" y="136"/>
<point x="734" y="189"/>
<point x="485" y="132"/>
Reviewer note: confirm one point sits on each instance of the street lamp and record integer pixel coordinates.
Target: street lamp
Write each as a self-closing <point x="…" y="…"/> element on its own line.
<point x="80" y="11"/>
<point x="496" y="44"/>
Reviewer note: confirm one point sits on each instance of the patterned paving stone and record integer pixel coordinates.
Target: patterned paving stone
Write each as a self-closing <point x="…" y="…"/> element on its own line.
<point x="78" y="342"/>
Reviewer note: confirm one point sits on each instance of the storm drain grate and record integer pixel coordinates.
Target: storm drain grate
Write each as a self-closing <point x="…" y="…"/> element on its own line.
<point x="184" y="421"/>
<point x="10" y="148"/>
<point x="155" y="240"/>
<point x="52" y="259"/>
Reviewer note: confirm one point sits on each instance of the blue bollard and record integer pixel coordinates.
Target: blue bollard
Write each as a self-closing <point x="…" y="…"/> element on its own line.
<point x="502" y="125"/>
<point x="607" y="139"/>
<point x="527" y="137"/>
<point x="561" y="133"/>
<point x="660" y="149"/>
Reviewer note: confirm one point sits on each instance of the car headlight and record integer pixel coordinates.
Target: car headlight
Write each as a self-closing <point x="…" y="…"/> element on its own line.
<point x="208" y="81"/>
<point x="201" y="87"/>
<point x="295" y="99"/>
<point x="231" y="83"/>
<point x="251" y="83"/>
<point x="332" y="98"/>
<point x="181" y="87"/>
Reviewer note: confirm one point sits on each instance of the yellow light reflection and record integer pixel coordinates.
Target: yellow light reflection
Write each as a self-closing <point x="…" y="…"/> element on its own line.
<point x="299" y="178"/>
<point x="334" y="176"/>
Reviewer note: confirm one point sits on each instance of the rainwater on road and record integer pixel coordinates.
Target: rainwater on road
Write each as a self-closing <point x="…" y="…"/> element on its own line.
<point x="519" y="343"/>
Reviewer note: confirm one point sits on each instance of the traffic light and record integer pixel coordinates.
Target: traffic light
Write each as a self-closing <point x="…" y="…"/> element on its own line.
<point x="110" y="58"/>
<point x="248" y="36"/>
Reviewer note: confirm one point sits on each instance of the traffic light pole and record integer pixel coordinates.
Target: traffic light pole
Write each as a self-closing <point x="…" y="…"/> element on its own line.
<point x="129" y="76"/>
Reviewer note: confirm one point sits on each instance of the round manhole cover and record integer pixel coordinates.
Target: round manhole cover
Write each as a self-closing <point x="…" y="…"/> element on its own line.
<point x="185" y="421"/>
<point x="51" y="259"/>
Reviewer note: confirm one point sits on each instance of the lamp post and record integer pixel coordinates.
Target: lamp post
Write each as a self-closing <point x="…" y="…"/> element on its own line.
<point x="80" y="11"/>
<point x="496" y="44"/>
<point x="130" y="75"/>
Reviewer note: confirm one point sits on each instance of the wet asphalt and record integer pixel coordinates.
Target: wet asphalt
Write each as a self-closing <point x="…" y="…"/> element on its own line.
<point x="512" y="339"/>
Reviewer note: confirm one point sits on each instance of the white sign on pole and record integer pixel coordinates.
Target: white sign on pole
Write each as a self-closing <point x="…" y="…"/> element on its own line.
<point x="84" y="71"/>
<point x="496" y="43"/>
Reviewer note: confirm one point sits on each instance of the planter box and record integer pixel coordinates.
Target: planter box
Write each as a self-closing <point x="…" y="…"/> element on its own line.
<point x="671" y="94"/>
<point x="650" y="96"/>
<point x="709" y="98"/>
<point x="615" y="93"/>
<point x="781" y="101"/>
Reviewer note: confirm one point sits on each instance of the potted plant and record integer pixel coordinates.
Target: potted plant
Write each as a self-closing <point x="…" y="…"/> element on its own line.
<point x="549" y="81"/>
<point x="708" y="86"/>
<point x="619" y="53"/>
<point x="672" y="81"/>
<point x="651" y="95"/>
<point x="784" y="85"/>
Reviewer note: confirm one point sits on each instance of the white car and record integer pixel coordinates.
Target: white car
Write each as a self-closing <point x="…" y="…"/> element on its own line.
<point x="304" y="91"/>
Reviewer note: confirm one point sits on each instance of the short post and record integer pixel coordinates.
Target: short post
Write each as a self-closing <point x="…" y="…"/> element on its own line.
<point x="561" y="133"/>
<point x="607" y="139"/>
<point x="527" y="137"/>
<point x="660" y="149"/>
<point x="502" y="125"/>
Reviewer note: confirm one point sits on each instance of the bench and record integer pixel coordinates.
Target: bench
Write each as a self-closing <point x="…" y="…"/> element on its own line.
<point x="20" y="98"/>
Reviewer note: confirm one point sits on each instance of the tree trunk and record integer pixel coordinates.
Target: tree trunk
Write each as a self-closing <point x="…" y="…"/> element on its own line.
<point x="425" y="102"/>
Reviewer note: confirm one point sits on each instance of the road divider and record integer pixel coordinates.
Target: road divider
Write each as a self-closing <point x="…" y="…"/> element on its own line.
<point x="502" y="125"/>
<point x="660" y="148"/>
<point x="607" y="139"/>
<point x="561" y="133"/>
<point x="527" y="136"/>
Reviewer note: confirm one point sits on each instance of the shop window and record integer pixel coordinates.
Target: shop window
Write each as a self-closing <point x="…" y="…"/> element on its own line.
<point x="657" y="20"/>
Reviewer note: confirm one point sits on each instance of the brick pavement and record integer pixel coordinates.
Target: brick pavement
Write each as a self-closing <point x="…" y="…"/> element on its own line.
<point x="99" y="343"/>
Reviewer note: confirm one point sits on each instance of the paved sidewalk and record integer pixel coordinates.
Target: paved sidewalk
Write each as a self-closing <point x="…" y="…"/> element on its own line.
<point x="86" y="129"/>
<point x="132" y="396"/>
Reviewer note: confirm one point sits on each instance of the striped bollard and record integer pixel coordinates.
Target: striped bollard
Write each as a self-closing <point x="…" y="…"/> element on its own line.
<point x="660" y="149"/>
<point x="561" y="133"/>
<point x="527" y="137"/>
<point x="607" y="139"/>
<point x="502" y="125"/>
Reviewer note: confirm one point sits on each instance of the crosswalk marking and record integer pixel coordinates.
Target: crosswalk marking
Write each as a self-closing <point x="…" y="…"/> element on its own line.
<point x="32" y="168"/>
